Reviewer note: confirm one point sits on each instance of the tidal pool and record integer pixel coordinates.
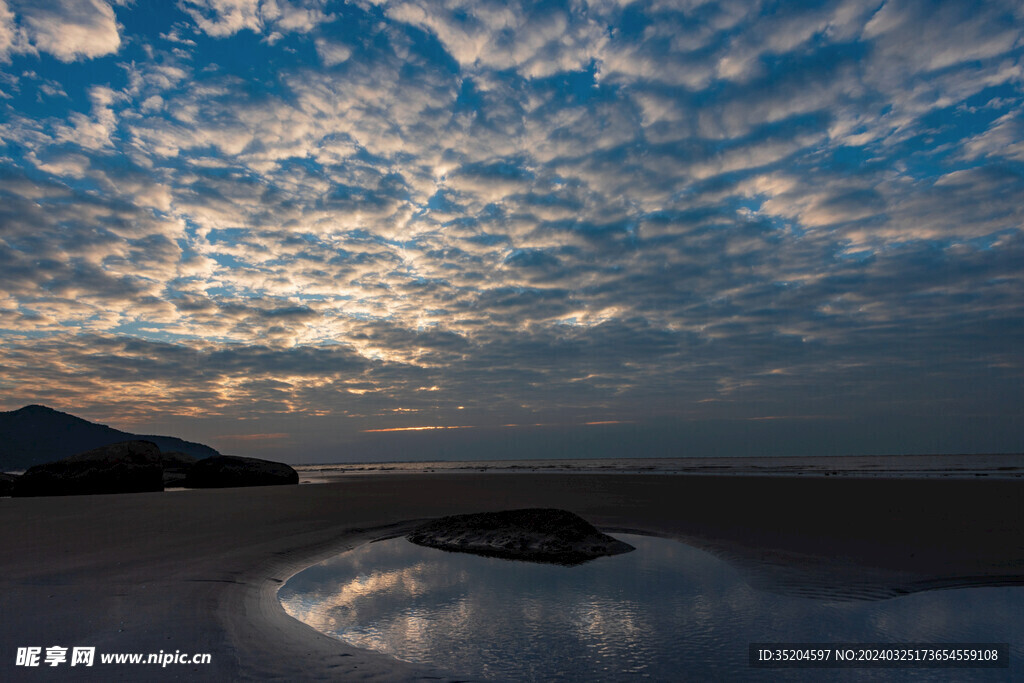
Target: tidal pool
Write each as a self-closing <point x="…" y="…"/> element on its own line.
<point x="666" y="611"/>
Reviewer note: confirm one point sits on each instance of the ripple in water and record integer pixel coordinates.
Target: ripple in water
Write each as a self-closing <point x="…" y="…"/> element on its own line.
<point x="663" y="612"/>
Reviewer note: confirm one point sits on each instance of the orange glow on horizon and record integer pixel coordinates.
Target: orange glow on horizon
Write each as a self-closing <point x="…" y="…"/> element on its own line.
<point x="504" y="426"/>
<point x="418" y="429"/>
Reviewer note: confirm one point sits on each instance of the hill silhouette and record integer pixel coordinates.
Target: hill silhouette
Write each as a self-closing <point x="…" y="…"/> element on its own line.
<point x="37" y="434"/>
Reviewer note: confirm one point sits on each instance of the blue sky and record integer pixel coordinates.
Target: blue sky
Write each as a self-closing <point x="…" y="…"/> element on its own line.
<point x="563" y="228"/>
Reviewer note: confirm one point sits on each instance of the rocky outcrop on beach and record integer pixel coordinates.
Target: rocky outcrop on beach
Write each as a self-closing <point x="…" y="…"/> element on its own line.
<point x="176" y="467"/>
<point x="7" y="483"/>
<point x="127" y="467"/>
<point x="533" y="534"/>
<point x="232" y="470"/>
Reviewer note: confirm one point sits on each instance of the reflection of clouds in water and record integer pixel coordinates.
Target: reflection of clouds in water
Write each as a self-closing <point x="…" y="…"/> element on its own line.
<point x="650" y="612"/>
<point x="413" y="629"/>
<point x="921" y="619"/>
<point x="613" y="631"/>
<point x="376" y="576"/>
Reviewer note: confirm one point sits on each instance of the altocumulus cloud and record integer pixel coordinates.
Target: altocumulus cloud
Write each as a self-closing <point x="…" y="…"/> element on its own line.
<point x="65" y="29"/>
<point x="392" y="213"/>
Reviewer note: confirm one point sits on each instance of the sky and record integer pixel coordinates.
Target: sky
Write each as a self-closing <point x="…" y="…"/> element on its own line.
<point x="417" y="229"/>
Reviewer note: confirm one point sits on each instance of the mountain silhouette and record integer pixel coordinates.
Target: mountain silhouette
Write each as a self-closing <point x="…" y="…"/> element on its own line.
<point x="37" y="434"/>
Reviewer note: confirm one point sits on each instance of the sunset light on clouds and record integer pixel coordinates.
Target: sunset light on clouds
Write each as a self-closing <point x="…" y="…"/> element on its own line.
<point x="683" y="227"/>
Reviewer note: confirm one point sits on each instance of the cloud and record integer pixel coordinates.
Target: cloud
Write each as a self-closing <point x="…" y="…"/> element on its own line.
<point x="332" y="53"/>
<point x="67" y="29"/>
<point x="222" y="18"/>
<point x="1004" y="139"/>
<point x="603" y="212"/>
<point x="537" y="41"/>
<point x="9" y="34"/>
<point x="92" y="133"/>
<point x="979" y="35"/>
<point x="289" y="17"/>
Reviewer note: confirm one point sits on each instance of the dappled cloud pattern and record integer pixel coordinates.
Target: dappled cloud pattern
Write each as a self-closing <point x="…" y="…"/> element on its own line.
<point x="418" y="212"/>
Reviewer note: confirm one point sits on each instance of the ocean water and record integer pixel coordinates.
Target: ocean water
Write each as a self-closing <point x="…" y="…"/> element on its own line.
<point x="666" y="611"/>
<point x="917" y="466"/>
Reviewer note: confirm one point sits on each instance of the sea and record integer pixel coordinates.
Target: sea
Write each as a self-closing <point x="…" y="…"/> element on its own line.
<point x="998" y="466"/>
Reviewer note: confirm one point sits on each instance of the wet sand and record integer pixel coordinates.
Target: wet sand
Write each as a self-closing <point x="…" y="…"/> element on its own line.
<point x="198" y="570"/>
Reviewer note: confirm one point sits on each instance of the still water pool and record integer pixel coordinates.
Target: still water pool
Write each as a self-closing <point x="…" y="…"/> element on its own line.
<point x="666" y="611"/>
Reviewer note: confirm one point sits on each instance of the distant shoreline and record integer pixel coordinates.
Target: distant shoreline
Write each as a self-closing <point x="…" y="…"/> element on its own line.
<point x="994" y="465"/>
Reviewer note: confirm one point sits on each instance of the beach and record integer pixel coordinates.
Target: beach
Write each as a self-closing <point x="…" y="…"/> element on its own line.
<point x="198" y="570"/>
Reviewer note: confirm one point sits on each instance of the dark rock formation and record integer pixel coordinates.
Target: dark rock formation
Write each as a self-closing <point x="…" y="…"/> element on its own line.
<point x="232" y="470"/>
<point x="36" y="434"/>
<point x="7" y="483"/>
<point x="126" y="467"/>
<point x="536" y="534"/>
<point x="176" y="467"/>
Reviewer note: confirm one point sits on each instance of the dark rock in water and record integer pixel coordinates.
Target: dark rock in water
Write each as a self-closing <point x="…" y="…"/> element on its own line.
<point x="176" y="467"/>
<point x="127" y="467"/>
<point x="535" y="534"/>
<point x="232" y="470"/>
<point x="7" y="483"/>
